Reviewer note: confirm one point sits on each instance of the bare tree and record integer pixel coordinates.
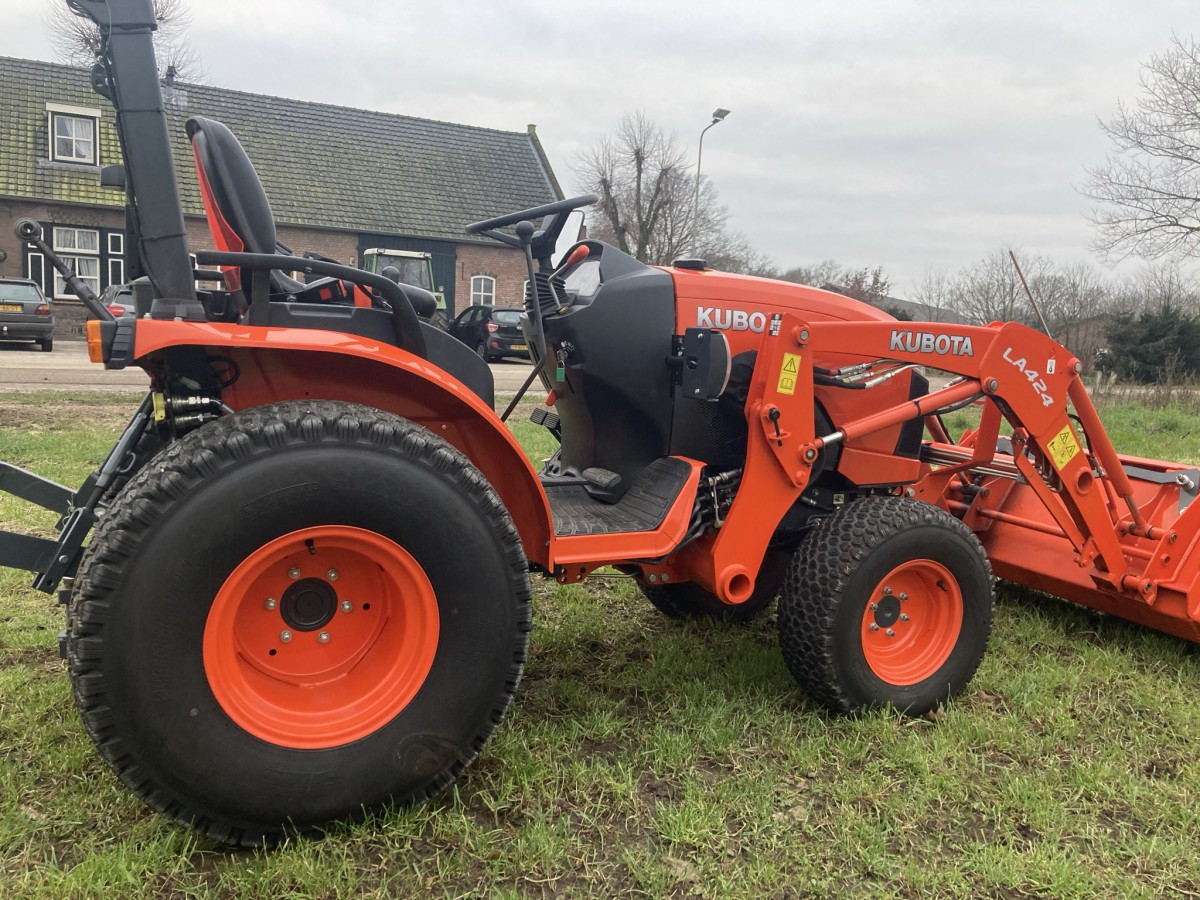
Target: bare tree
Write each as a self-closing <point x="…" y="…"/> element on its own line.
<point x="1150" y="184"/>
<point x="75" y="39"/>
<point x="935" y="292"/>
<point x="828" y="272"/>
<point x="990" y="290"/>
<point x="647" y="201"/>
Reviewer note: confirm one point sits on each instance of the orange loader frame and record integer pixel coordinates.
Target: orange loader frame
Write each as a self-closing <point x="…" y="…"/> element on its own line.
<point x="1060" y="512"/>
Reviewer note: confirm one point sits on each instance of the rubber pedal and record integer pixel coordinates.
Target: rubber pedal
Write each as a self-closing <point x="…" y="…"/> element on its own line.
<point x="601" y="478"/>
<point x="543" y="416"/>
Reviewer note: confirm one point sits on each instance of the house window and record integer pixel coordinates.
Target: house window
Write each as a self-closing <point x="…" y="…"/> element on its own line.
<point x="73" y="134"/>
<point x="483" y="290"/>
<point x="79" y="248"/>
<point x="116" y="257"/>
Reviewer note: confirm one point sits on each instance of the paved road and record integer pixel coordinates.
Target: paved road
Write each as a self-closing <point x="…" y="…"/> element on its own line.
<point x="23" y="367"/>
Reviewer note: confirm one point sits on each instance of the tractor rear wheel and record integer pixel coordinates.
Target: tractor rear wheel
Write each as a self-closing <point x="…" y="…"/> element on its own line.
<point x="687" y="600"/>
<point x="887" y="603"/>
<point x="273" y="627"/>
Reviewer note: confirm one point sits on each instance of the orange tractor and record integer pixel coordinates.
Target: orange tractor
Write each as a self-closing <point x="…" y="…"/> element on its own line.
<point x="307" y="589"/>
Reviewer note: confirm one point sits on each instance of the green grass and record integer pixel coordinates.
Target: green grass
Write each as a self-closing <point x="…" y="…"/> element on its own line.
<point x="652" y="758"/>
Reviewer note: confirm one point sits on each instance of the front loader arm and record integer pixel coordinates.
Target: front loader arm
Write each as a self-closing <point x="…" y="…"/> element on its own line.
<point x="1024" y="377"/>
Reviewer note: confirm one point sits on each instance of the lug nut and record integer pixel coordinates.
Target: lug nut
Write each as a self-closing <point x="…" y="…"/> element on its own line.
<point x="323" y="637"/>
<point x="890" y="633"/>
<point x="874" y="606"/>
<point x="888" y="591"/>
<point x="903" y="597"/>
<point x="293" y="573"/>
<point x="873" y="627"/>
<point x="332" y="574"/>
<point x="270" y="604"/>
<point x="285" y="636"/>
<point x="652" y="578"/>
<point x="903" y="617"/>
<point x="347" y="606"/>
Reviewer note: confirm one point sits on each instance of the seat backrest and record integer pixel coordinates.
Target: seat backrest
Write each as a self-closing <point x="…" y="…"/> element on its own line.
<point x="235" y="203"/>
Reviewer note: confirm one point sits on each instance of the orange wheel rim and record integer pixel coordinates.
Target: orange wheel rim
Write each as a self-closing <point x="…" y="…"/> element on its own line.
<point x="912" y="622"/>
<point x="321" y="637"/>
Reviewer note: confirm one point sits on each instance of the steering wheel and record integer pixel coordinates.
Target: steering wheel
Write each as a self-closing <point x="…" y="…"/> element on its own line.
<point x="541" y="243"/>
<point x="537" y="212"/>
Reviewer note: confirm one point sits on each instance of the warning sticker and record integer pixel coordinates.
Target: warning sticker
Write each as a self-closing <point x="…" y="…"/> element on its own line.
<point x="788" y="372"/>
<point x="1063" y="447"/>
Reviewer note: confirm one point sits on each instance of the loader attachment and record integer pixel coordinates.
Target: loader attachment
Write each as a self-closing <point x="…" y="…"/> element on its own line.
<point x="52" y="560"/>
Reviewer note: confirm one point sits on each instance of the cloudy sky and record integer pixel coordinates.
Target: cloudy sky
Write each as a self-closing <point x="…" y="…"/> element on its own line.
<point x="899" y="133"/>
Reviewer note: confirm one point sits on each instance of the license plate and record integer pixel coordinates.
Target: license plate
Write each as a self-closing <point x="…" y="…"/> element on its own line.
<point x="16" y="307"/>
<point x="514" y="346"/>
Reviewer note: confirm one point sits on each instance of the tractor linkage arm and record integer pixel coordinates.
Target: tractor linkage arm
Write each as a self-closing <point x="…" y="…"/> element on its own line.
<point x="1017" y="373"/>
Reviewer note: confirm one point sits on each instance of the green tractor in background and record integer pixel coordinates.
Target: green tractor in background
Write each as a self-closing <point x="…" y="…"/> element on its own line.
<point x="415" y="267"/>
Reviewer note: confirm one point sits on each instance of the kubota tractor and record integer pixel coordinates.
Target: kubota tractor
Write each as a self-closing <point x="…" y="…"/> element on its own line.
<point x="307" y="586"/>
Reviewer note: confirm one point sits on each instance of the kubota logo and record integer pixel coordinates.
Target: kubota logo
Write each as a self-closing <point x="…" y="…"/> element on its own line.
<point x="730" y="319"/>
<point x="926" y="342"/>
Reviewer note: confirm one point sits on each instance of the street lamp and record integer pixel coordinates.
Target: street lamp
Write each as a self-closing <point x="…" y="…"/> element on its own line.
<point x="717" y="116"/>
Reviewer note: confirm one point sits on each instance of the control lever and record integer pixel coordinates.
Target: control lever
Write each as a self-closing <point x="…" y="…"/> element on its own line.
<point x="31" y="231"/>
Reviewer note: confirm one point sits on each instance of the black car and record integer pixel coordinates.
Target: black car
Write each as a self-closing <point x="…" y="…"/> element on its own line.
<point x="492" y="330"/>
<point x="24" y="313"/>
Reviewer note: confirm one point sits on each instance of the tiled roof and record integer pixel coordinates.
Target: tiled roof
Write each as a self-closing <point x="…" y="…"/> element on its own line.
<point x="321" y="165"/>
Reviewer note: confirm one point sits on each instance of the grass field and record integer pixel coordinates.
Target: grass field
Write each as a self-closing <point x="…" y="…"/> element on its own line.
<point x="651" y="758"/>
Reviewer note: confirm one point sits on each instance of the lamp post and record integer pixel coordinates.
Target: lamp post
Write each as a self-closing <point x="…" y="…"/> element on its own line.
<point x="717" y="116"/>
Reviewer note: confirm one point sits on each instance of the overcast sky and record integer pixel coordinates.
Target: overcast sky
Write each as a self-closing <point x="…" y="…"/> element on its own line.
<point x="898" y="133"/>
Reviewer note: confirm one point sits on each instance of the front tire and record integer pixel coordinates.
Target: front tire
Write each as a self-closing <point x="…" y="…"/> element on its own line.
<point x="887" y="604"/>
<point x="273" y="627"/>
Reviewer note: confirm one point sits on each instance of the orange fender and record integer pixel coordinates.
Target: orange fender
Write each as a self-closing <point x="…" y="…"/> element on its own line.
<point x="277" y="364"/>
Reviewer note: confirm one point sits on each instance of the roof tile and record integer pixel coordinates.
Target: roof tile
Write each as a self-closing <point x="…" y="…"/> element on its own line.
<point x="321" y="165"/>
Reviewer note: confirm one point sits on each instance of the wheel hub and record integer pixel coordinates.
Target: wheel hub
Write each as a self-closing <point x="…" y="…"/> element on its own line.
<point x="887" y="611"/>
<point x="313" y="670"/>
<point x="309" y="604"/>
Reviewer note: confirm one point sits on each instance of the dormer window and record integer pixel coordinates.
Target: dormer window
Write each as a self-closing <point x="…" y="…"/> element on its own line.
<point x="74" y="134"/>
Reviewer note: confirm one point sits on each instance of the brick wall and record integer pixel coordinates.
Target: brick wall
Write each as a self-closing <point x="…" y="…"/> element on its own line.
<point x="505" y="265"/>
<point x="69" y="315"/>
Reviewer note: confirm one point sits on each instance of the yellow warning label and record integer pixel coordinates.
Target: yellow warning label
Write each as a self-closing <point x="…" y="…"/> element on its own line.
<point x="1063" y="447"/>
<point x="788" y="372"/>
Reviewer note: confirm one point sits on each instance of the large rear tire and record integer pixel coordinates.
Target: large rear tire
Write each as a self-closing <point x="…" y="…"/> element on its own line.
<point x="888" y="603"/>
<point x="273" y="627"/>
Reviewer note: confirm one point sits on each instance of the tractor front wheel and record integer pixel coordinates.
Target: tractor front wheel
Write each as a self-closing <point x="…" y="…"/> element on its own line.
<point x="888" y="604"/>
<point x="273" y="626"/>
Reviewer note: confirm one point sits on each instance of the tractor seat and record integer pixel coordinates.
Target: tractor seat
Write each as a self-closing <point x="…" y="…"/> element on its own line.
<point x="240" y="219"/>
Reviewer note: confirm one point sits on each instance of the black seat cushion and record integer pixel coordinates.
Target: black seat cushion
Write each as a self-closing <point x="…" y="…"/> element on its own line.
<point x="236" y="188"/>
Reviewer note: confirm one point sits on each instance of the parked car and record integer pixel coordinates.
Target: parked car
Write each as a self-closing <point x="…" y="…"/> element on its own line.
<point x="493" y="331"/>
<point x="24" y="313"/>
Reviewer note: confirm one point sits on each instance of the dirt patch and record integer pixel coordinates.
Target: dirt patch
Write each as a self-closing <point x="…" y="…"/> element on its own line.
<point x="104" y="412"/>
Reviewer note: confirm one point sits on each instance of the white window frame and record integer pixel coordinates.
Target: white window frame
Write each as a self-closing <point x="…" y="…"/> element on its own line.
<point x="70" y="253"/>
<point x="116" y="257"/>
<point x="483" y="290"/>
<point x="60" y="112"/>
